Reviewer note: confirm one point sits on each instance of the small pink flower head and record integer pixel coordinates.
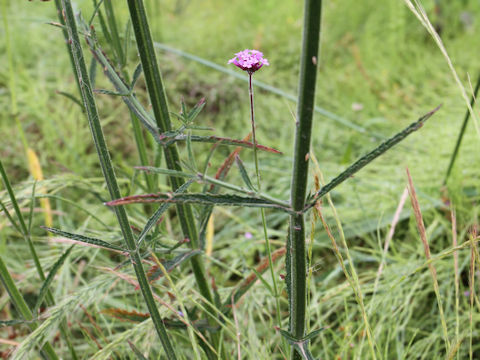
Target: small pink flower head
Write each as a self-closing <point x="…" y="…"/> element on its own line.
<point x="249" y="60"/>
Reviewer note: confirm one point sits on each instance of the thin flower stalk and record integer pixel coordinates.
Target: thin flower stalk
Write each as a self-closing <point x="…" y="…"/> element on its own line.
<point x="262" y="210"/>
<point x="109" y="174"/>
<point x="251" y="61"/>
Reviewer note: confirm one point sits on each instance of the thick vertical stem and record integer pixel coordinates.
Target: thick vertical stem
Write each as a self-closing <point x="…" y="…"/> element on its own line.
<point x="296" y="257"/>
<point x="109" y="174"/>
<point x="158" y="100"/>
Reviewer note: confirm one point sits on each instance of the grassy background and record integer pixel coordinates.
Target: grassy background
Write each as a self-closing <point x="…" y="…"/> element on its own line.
<point x="379" y="70"/>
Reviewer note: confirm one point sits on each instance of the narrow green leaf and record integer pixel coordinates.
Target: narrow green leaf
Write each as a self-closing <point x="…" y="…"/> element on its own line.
<point x="368" y="158"/>
<point x="5" y="323"/>
<point x="462" y="130"/>
<point x="137" y="352"/>
<point x="192" y="114"/>
<point x="264" y="282"/>
<point x="109" y="92"/>
<point x="136" y="76"/>
<point x="191" y="157"/>
<point x="12" y="220"/>
<point x="126" y="42"/>
<point x="49" y="279"/>
<point x="95" y="11"/>
<point x="220" y="141"/>
<point x="198" y="198"/>
<point x="169" y="265"/>
<point x="84" y="239"/>
<point x="32" y="205"/>
<point x="71" y="97"/>
<point x="243" y="173"/>
<point x="93" y="71"/>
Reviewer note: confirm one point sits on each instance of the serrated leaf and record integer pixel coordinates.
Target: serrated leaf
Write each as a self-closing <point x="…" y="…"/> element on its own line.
<point x="155" y="272"/>
<point x="368" y="158"/>
<point x="49" y="279"/>
<point x="243" y="173"/>
<point x="197" y="198"/>
<point x="84" y="239"/>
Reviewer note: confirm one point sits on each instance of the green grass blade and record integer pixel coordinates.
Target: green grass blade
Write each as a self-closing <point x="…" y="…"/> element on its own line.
<point x="243" y="173"/>
<point x="49" y="279"/>
<point x="137" y="352"/>
<point x="84" y="239"/>
<point x="22" y="307"/>
<point x="462" y="132"/>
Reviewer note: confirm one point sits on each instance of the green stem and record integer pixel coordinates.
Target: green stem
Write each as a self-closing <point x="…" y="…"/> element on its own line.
<point x="264" y="221"/>
<point x="158" y="100"/>
<point x="109" y="174"/>
<point x="22" y="307"/>
<point x="296" y="257"/>
<point x="121" y="59"/>
<point x="462" y="132"/>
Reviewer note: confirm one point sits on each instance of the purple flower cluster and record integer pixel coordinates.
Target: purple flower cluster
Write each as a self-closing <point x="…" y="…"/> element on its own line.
<point x="249" y="60"/>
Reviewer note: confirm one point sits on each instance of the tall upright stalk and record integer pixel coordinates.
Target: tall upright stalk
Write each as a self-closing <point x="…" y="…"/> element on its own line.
<point x="296" y="256"/>
<point x="158" y="100"/>
<point x="109" y="174"/>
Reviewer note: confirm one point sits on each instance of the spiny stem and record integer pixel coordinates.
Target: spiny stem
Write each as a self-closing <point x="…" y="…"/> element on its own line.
<point x="264" y="221"/>
<point x="296" y="256"/>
